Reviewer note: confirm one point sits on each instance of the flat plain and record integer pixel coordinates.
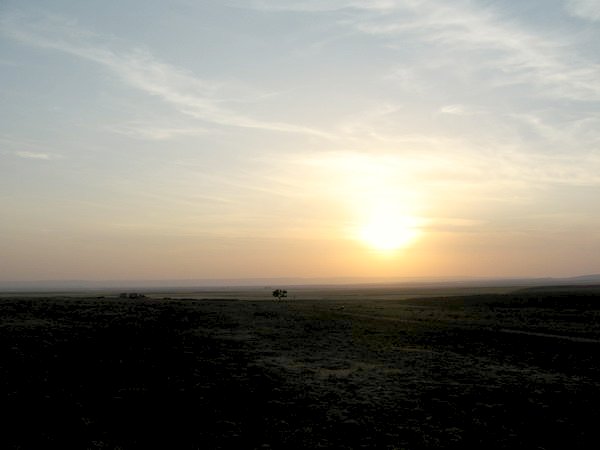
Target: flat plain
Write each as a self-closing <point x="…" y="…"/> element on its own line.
<point x="352" y="367"/>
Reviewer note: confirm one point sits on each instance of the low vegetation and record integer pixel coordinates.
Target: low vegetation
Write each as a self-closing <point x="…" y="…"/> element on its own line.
<point x="496" y="371"/>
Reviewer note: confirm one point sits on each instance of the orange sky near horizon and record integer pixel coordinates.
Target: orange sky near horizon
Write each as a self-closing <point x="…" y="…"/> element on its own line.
<point x="313" y="139"/>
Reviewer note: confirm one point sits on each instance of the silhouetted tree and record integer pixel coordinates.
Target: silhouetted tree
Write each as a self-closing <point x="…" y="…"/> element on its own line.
<point x="279" y="293"/>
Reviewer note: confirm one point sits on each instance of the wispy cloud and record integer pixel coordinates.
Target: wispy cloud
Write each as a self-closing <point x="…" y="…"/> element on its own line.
<point x="521" y="55"/>
<point x="584" y="9"/>
<point x="151" y="132"/>
<point x="189" y="94"/>
<point x="26" y="148"/>
<point x="319" y="5"/>
<point x="34" y="155"/>
<point x="458" y="110"/>
<point x="516" y="54"/>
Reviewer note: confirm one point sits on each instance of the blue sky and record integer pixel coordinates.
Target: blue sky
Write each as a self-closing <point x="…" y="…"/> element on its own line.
<point x="265" y="138"/>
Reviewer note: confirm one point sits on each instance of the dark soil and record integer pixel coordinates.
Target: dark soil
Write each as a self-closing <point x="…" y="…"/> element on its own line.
<point x="304" y="374"/>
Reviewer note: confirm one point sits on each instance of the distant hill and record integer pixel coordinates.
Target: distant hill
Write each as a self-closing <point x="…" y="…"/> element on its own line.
<point x="149" y="285"/>
<point x="585" y="279"/>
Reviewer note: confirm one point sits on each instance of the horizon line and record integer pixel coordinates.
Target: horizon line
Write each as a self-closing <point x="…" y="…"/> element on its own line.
<point x="204" y="283"/>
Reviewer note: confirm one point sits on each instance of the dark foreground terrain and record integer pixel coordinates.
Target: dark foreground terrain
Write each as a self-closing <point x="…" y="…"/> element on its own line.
<point x="327" y="370"/>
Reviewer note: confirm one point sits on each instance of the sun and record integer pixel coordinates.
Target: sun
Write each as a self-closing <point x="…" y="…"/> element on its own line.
<point x="386" y="231"/>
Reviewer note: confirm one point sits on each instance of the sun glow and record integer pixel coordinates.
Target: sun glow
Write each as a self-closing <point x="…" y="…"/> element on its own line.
<point x="379" y="196"/>
<point x="386" y="231"/>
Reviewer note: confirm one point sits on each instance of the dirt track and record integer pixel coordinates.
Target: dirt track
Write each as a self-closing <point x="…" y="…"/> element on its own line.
<point x="461" y="325"/>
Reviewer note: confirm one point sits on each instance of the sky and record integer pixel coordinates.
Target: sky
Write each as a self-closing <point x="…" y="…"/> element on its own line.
<point x="317" y="138"/>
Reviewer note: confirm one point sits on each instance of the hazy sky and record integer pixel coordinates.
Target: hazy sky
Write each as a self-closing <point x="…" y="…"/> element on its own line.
<point x="264" y="138"/>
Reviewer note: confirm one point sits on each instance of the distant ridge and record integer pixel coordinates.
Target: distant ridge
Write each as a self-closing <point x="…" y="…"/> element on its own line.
<point x="91" y="285"/>
<point x="586" y="278"/>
